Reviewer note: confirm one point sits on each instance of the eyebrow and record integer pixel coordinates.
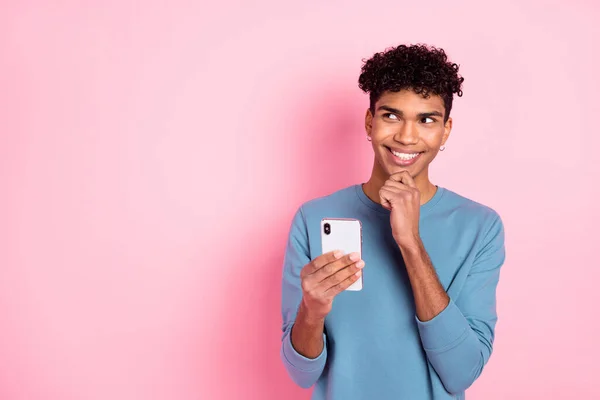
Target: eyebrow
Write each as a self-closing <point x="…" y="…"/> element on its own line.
<point x="420" y="115"/>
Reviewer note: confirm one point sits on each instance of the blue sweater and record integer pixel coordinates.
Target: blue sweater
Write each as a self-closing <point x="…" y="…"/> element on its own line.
<point x="375" y="346"/>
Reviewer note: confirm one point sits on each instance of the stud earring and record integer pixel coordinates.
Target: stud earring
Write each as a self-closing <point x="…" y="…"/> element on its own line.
<point x="442" y="148"/>
<point x="368" y="138"/>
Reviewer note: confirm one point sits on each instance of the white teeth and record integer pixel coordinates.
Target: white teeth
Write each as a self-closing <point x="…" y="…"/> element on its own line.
<point x="405" y="156"/>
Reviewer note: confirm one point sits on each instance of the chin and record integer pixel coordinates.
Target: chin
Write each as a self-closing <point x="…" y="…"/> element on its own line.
<point x="394" y="169"/>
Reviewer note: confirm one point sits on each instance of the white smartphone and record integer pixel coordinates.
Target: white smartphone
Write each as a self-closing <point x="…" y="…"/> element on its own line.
<point x="343" y="234"/>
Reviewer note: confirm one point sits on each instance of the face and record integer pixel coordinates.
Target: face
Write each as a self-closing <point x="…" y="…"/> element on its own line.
<point x="406" y="131"/>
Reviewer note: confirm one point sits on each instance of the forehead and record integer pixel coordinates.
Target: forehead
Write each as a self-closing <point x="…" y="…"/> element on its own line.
<point x="407" y="100"/>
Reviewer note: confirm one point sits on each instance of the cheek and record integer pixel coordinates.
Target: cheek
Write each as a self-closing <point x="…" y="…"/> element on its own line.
<point x="382" y="132"/>
<point x="432" y="137"/>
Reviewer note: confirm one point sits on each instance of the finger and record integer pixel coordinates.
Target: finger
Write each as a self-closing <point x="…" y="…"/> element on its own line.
<point x="398" y="176"/>
<point x="335" y="266"/>
<point x="385" y="196"/>
<point x="319" y="262"/>
<point x="343" y="285"/>
<point x="396" y="187"/>
<point x="404" y="177"/>
<point x="341" y="275"/>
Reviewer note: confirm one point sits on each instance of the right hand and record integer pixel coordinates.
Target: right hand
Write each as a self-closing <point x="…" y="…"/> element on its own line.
<point x="325" y="277"/>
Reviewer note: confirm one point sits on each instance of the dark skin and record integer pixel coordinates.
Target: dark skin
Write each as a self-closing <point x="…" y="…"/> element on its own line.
<point x="408" y="123"/>
<point x="409" y="129"/>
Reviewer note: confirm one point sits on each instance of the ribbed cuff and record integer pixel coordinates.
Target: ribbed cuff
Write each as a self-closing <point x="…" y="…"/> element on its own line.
<point x="300" y="362"/>
<point x="445" y="331"/>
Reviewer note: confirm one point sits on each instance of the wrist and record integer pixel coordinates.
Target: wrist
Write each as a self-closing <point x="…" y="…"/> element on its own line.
<point x="309" y="317"/>
<point x="410" y="244"/>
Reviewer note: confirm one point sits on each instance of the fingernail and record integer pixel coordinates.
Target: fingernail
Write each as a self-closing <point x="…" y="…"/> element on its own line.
<point x="354" y="256"/>
<point x="337" y="254"/>
<point x="360" y="264"/>
<point x="358" y="273"/>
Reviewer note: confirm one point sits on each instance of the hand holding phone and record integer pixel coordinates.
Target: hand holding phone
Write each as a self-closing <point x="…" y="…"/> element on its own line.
<point x="325" y="277"/>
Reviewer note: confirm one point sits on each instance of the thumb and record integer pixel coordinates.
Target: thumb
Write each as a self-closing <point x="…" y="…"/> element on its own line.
<point x="384" y="200"/>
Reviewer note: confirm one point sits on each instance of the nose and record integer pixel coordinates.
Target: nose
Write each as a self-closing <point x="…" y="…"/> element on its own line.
<point x="407" y="134"/>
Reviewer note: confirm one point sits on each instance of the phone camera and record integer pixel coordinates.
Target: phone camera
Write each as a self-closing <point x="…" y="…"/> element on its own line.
<point x="327" y="229"/>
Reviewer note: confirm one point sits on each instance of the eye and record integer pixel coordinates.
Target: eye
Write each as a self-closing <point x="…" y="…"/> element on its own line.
<point x="390" y="115"/>
<point x="428" y="118"/>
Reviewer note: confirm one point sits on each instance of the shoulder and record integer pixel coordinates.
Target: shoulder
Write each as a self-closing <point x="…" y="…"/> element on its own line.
<point x="474" y="222"/>
<point x="327" y="203"/>
<point x="306" y="220"/>
<point x="470" y="210"/>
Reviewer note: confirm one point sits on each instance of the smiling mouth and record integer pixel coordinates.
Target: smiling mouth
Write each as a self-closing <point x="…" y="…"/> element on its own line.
<point x="404" y="156"/>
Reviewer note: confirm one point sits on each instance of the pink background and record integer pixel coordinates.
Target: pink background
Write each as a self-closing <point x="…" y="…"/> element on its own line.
<point x="152" y="155"/>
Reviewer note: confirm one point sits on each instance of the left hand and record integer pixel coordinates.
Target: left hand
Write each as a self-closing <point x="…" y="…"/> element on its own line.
<point x="400" y="195"/>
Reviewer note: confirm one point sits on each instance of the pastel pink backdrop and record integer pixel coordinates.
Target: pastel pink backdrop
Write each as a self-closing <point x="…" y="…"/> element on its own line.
<point x="152" y="156"/>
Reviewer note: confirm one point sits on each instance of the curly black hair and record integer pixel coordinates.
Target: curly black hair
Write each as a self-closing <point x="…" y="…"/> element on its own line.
<point x="421" y="68"/>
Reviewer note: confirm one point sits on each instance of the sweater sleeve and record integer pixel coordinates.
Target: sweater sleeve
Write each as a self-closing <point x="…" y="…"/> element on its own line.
<point x="304" y="371"/>
<point x="458" y="341"/>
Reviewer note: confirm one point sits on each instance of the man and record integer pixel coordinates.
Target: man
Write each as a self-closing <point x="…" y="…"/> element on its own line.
<point x="423" y="325"/>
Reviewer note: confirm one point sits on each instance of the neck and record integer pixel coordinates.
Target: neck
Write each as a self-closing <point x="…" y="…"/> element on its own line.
<point x="378" y="178"/>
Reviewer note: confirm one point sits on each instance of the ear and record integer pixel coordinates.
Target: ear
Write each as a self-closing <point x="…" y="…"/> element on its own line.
<point x="368" y="121"/>
<point x="447" y="129"/>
